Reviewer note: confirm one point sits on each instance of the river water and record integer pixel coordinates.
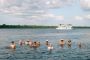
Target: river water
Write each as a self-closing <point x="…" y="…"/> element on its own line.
<point x="41" y="53"/>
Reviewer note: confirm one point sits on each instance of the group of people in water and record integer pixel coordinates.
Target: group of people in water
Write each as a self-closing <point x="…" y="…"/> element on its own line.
<point x="37" y="44"/>
<point x="62" y="43"/>
<point x="21" y="43"/>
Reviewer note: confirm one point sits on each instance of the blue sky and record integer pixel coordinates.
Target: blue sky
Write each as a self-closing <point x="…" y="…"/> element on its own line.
<point x="45" y="12"/>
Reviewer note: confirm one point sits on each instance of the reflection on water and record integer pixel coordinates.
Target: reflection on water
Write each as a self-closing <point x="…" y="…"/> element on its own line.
<point x="26" y="53"/>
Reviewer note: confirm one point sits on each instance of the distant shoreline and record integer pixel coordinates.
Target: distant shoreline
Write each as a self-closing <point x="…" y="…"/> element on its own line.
<point x="34" y="26"/>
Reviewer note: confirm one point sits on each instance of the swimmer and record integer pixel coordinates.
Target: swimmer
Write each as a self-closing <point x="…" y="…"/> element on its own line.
<point x="69" y="43"/>
<point x="35" y="45"/>
<point x="47" y="43"/>
<point x="13" y="45"/>
<point x="38" y="43"/>
<point x="27" y="42"/>
<point x="20" y="42"/>
<point x="30" y="43"/>
<point x="50" y="47"/>
<point x="79" y="44"/>
<point x="62" y="43"/>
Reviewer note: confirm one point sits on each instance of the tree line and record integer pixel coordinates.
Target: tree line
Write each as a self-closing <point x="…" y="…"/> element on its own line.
<point x="25" y="26"/>
<point x="36" y="26"/>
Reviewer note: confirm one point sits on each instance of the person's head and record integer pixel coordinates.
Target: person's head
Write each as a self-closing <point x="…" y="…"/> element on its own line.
<point x="38" y="43"/>
<point x="62" y="40"/>
<point x="12" y="42"/>
<point x="46" y="40"/>
<point x="69" y="41"/>
<point x="35" y="42"/>
<point x="27" y="41"/>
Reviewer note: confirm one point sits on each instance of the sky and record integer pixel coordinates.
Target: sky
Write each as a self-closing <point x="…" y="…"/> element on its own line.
<point x="45" y="12"/>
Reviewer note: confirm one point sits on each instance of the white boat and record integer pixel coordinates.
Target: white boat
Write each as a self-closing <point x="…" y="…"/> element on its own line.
<point x="64" y="26"/>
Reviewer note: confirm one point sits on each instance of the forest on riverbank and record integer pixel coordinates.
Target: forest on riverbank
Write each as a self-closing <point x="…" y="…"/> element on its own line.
<point x="35" y="26"/>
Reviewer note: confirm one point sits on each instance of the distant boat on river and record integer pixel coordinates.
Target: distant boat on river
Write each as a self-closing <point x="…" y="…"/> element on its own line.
<point x="64" y="27"/>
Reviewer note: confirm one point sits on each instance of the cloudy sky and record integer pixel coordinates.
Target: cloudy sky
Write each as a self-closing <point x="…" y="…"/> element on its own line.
<point x="45" y="12"/>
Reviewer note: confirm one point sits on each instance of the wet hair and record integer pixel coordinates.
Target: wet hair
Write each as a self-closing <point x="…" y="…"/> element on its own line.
<point x="27" y="41"/>
<point x="46" y="41"/>
<point x="62" y="40"/>
<point x="35" y="42"/>
<point x="69" y="41"/>
<point x="12" y="42"/>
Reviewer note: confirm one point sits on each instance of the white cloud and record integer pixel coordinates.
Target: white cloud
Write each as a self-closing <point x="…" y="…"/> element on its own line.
<point x="35" y="11"/>
<point x="45" y="17"/>
<point x="60" y="17"/>
<point x="78" y="18"/>
<point x="59" y="3"/>
<point x="54" y="4"/>
<point x="2" y="2"/>
<point x="85" y="4"/>
<point x="19" y="7"/>
<point x="84" y="17"/>
<point x="87" y="17"/>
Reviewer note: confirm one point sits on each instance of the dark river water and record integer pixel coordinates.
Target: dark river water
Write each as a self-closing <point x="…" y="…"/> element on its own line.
<point x="41" y="53"/>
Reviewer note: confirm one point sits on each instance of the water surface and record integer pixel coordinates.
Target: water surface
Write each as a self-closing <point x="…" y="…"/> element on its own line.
<point x="53" y="35"/>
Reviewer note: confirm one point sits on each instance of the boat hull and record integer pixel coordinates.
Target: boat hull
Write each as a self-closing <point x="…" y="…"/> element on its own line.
<point x="64" y="27"/>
